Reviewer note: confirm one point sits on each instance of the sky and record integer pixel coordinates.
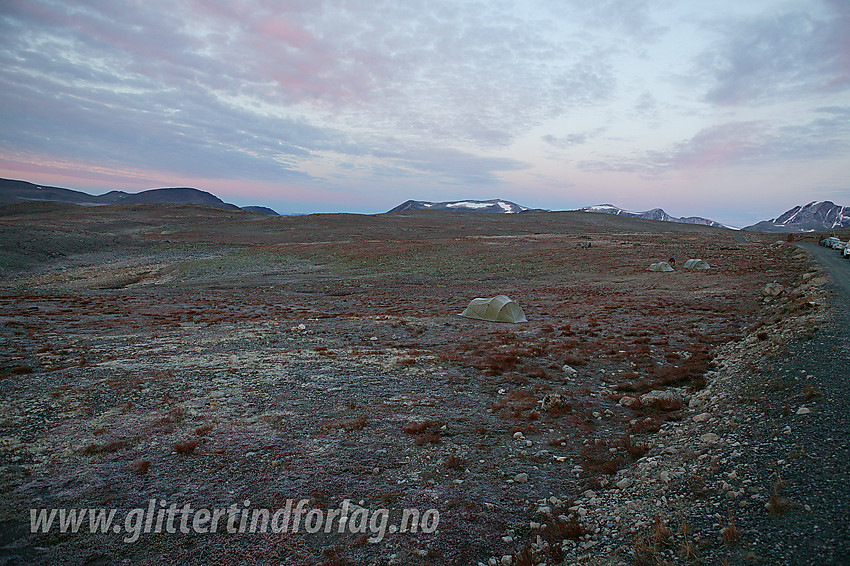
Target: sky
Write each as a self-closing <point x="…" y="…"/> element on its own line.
<point x="735" y="111"/>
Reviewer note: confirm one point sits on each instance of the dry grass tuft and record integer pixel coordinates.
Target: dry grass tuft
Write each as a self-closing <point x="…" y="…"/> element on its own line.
<point x="634" y="450"/>
<point x="526" y="558"/>
<point x="420" y="427"/>
<point x="332" y="557"/>
<point x="203" y="429"/>
<point x="559" y="530"/>
<point x="185" y="447"/>
<point x="730" y="533"/>
<point x="424" y="432"/>
<point x="349" y="425"/>
<point x="111" y="446"/>
<point x="431" y="437"/>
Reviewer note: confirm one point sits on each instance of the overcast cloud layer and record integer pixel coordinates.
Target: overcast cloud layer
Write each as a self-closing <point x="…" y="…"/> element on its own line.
<point x="730" y="110"/>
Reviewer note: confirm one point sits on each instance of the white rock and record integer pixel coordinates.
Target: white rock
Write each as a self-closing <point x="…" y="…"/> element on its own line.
<point x="624" y="483"/>
<point x="569" y="370"/>
<point x="521" y="477"/>
<point x="803" y="411"/>
<point x="702" y="417"/>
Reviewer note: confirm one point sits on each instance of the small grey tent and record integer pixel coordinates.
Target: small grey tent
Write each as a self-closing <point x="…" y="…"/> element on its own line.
<point x="696" y="264"/>
<point x="497" y="309"/>
<point x="660" y="266"/>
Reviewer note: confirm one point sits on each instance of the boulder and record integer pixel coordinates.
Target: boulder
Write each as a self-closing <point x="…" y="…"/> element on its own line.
<point x="661" y="400"/>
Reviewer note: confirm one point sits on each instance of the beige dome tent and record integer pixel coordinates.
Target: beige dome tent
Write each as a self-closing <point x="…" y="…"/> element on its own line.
<point x="498" y="309"/>
<point x="660" y="266"/>
<point x="696" y="264"/>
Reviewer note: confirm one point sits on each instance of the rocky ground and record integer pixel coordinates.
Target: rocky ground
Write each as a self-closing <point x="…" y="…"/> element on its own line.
<point x="211" y="357"/>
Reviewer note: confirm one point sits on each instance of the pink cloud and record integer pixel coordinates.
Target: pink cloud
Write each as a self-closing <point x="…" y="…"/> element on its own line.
<point x="95" y="179"/>
<point x="281" y="30"/>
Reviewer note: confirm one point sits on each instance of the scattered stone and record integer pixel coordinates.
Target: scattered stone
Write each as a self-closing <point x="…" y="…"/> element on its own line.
<point x="551" y="400"/>
<point x="702" y="417"/>
<point x="709" y="438"/>
<point x="627" y="401"/>
<point x="803" y="411"/>
<point x="624" y="483"/>
<point x="521" y="478"/>
<point x="570" y="370"/>
<point x="772" y="290"/>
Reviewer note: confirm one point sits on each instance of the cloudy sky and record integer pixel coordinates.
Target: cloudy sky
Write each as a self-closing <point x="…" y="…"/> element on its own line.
<point x="731" y="110"/>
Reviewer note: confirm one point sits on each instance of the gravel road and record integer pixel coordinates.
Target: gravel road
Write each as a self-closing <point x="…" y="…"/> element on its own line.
<point x="835" y="265"/>
<point x="818" y="483"/>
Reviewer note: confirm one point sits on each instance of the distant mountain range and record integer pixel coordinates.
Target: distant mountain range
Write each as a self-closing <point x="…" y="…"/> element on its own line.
<point x="500" y="206"/>
<point x="12" y="192"/>
<point x="654" y="214"/>
<point x="507" y="207"/>
<point x="818" y="216"/>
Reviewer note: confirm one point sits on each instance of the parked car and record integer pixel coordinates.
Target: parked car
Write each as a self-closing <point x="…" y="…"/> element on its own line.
<point x="839" y="245"/>
<point x="846" y="252"/>
<point x="827" y="242"/>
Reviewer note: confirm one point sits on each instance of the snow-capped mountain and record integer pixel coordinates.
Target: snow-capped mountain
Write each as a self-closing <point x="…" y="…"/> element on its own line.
<point x="493" y="205"/>
<point x="654" y="214"/>
<point x="818" y="216"/>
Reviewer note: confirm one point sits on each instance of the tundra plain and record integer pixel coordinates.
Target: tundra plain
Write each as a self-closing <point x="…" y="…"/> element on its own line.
<point x="210" y="357"/>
